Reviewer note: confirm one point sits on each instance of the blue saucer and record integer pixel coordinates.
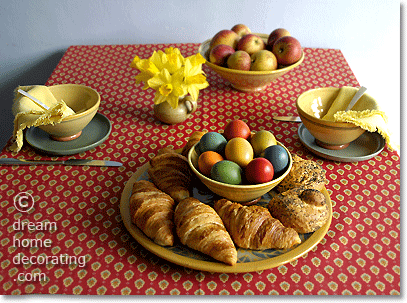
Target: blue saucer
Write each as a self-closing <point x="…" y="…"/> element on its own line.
<point x="363" y="148"/>
<point x="94" y="134"/>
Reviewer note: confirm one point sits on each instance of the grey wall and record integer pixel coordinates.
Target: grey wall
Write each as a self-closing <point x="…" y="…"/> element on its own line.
<point x="34" y="35"/>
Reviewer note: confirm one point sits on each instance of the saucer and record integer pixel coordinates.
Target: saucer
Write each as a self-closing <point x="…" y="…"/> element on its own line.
<point x="363" y="148"/>
<point x="94" y="134"/>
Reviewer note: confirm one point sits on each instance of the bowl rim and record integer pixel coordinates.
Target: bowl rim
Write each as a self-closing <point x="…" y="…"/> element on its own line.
<point x="241" y="186"/>
<point x="318" y="121"/>
<point x="86" y="112"/>
<point x="248" y="72"/>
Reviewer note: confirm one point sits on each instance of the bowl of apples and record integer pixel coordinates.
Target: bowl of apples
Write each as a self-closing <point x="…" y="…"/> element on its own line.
<point x="251" y="61"/>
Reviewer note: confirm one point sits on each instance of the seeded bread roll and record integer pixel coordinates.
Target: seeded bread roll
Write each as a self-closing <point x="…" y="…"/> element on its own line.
<point x="304" y="210"/>
<point x="304" y="174"/>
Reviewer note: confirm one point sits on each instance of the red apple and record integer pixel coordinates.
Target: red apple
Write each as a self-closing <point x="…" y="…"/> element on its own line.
<point x="241" y="30"/>
<point x="239" y="60"/>
<point x="227" y="37"/>
<point x="251" y="43"/>
<point x="288" y="50"/>
<point x="263" y="60"/>
<point x="220" y="54"/>
<point x="275" y="35"/>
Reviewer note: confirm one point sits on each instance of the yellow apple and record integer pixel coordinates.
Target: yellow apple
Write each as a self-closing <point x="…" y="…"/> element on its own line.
<point x="263" y="60"/>
<point x="239" y="60"/>
<point x="241" y="30"/>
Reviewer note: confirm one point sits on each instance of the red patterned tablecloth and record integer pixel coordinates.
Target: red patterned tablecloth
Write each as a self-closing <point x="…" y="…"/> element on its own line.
<point x="360" y="254"/>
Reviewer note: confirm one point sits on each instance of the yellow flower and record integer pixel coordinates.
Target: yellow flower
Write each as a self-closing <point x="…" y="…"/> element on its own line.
<point x="147" y="70"/>
<point x="168" y="87"/>
<point x="171" y="75"/>
<point x="174" y="60"/>
<point x="196" y="59"/>
<point x="133" y="63"/>
<point x="195" y="80"/>
<point x="159" y="59"/>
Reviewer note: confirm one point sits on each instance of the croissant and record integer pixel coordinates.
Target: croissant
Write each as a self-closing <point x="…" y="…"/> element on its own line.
<point x="195" y="137"/>
<point x="199" y="227"/>
<point x="153" y="211"/>
<point x="305" y="210"/>
<point x="252" y="227"/>
<point x="171" y="173"/>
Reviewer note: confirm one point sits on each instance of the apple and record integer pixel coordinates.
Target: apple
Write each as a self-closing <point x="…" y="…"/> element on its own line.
<point x="275" y="35"/>
<point x="263" y="60"/>
<point x="227" y="37"/>
<point x="220" y="54"/>
<point x="241" y="30"/>
<point x="251" y="43"/>
<point x="239" y="60"/>
<point x="288" y="50"/>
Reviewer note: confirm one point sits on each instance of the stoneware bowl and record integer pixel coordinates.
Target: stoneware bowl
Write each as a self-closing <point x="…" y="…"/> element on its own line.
<point x="83" y="100"/>
<point x="328" y="134"/>
<point x="246" y="81"/>
<point x="245" y="194"/>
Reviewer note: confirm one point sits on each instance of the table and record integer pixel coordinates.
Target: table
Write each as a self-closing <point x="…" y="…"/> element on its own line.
<point x="360" y="254"/>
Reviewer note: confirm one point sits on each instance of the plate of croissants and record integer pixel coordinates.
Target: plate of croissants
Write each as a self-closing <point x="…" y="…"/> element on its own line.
<point x="172" y="214"/>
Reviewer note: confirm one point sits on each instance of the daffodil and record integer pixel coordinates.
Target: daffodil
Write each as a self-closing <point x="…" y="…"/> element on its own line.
<point x="195" y="80"/>
<point x="159" y="59"/>
<point x="196" y="59"/>
<point x="171" y="75"/>
<point x="147" y="70"/>
<point x="174" y="60"/>
<point x="168" y="87"/>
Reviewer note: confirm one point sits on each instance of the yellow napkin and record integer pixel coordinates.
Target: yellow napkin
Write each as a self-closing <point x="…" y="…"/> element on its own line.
<point x="365" y="113"/>
<point x="27" y="113"/>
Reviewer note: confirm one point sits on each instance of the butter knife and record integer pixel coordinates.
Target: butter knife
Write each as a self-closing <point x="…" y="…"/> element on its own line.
<point x="12" y="161"/>
<point x="287" y="118"/>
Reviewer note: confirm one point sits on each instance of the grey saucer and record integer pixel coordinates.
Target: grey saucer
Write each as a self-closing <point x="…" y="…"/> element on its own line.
<point x="363" y="148"/>
<point x="94" y="134"/>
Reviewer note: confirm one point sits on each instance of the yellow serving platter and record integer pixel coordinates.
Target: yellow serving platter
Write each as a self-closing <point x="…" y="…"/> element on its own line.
<point x="248" y="260"/>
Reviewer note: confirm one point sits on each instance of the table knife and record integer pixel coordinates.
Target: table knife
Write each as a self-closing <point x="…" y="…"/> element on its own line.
<point x="288" y="118"/>
<point x="11" y="161"/>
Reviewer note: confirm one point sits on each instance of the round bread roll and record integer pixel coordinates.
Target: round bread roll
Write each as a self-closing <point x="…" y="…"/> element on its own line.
<point x="305" y="174"/>
<point x="304" y="210"/>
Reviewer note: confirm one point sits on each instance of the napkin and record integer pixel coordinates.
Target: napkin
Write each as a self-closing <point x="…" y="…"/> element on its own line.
<point x="366" y="113"/>
<point x="27" y="113"/>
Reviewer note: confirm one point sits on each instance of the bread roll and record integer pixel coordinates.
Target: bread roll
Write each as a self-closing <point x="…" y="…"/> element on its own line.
<point x="304" y="210"/>
<point x="305" y="174"/>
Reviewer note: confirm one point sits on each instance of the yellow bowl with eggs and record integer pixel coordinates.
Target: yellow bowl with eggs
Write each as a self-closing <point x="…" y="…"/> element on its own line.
<point x="244" y="194"/>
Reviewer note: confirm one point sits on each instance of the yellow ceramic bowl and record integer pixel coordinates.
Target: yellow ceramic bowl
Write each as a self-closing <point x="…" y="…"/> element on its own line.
<point x="246" y="81"/>
<point x="328" y="134"/>
<point x="83" y="100"/>
<point x="236" y="193"/>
